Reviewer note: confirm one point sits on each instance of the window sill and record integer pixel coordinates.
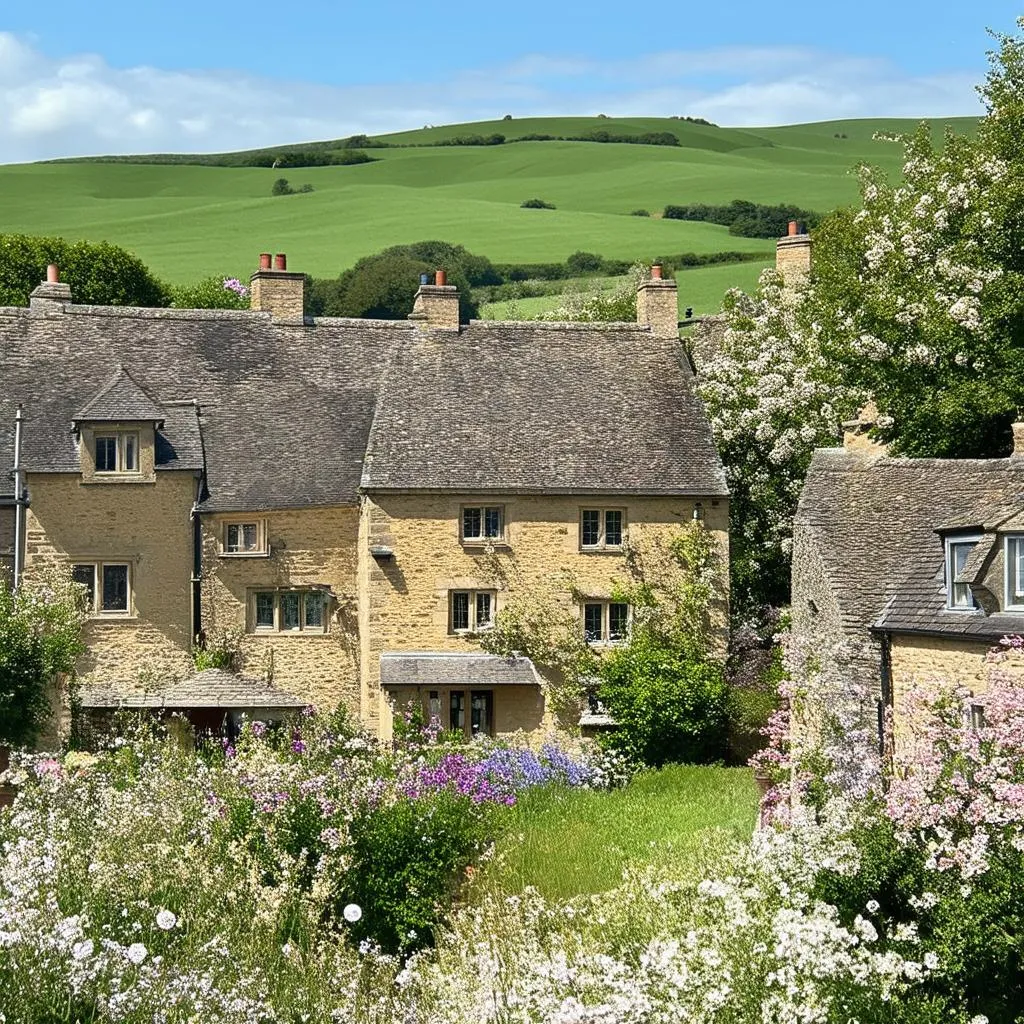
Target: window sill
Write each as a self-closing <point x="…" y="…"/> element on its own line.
<point x="112" y="617"/>
<point x="609" y="549"/>
<point x="485" y="543"/>
<point x="606" y="643"/>
<point x="303" y="633"/>
<point x="243" y="554"/>
<point x="118" y="478"/>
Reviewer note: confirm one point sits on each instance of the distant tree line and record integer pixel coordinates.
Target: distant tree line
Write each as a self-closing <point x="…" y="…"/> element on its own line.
<point x="750" y="220"/>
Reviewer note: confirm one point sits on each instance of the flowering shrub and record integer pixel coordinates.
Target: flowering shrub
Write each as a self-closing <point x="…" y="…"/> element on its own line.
<point x="40" y="637"/>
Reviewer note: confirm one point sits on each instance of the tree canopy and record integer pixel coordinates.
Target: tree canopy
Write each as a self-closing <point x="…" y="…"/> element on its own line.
<point x="915" y="301"/>
<point x="99" y="274"/>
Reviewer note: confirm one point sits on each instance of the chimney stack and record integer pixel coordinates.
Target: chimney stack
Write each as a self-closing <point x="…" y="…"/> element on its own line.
<point x="1018" y="440"/>
<point x="793" y="255"/>
<point x="437" y="305"/>
<point x="276" y="290"/>
<point x="657" y="305"/>
<point x="50" y="296"/>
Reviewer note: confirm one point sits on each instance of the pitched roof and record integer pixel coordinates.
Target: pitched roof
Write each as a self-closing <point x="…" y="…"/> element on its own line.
<point x="211" y="688"/>
<point x="285" y="409"/>
<point x="447" y="668"/>
<point x="121" y="398"/>
<point x="598" y="408"/>
<point x="875" y="525"/>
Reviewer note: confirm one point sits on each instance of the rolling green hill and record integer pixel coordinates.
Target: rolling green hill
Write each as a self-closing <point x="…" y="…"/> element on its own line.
<point x="187" y="220"/>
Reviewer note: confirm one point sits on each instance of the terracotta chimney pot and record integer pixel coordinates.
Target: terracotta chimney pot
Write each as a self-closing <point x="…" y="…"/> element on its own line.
<point x="656" y="272"/>
<point x="280" y="261"/>
<point x="440" y="278"/>
<point x="52" y="273"/>
<point x="264" y="261"/>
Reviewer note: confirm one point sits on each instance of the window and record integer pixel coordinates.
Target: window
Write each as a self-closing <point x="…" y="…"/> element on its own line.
<point x="470" y="611"/>
<point x="1015" y="571"/>
<point x="605" y="621"/>
<point x="601" y="528"/>
<point x="958" y="595"/>
<point x="289" y="611"/>
<point x="470" y="712"/>
<point x="482" y="523"/>
<point x="117" y="453"/>
<point x="244" y="538"/>
<point x="107" y="586"/>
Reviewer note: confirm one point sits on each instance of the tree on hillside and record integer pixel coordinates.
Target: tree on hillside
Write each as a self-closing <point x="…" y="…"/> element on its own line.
<point x="383" y="286"/>
<point x="99" y="274"/>
<point x="916" y="300"/>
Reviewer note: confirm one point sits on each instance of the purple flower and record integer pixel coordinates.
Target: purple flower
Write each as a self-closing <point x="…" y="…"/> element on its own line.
<point x="258" y="728"/>
<point x="298" y="747"/>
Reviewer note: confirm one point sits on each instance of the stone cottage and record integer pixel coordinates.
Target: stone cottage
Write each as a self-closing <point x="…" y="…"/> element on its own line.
<point x="908" y="571"/>
<point x="337" y="491"/>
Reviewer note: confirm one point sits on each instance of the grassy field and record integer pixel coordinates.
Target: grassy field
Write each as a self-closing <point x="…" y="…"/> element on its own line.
<point x="569" y="842"/>
<point x="700" y="289"/>
<point x="187" y="221"/>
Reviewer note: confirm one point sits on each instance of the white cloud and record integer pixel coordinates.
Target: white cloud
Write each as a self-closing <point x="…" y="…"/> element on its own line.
<point x="82" y="105"/>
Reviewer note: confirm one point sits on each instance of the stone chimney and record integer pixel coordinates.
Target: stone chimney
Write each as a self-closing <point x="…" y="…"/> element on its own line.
<point x="1018" y="440"/>
<point x="275" y="290"/>
<point x="437" y="304"/>
<point x="657" y="305"/>
<point x="855" y="432"/>
<point x="50" y="297"/>
<point x="793" y="255"/>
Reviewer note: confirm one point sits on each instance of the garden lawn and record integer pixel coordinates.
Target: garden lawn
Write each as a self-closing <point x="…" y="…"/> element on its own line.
<point x="569" y="843"/>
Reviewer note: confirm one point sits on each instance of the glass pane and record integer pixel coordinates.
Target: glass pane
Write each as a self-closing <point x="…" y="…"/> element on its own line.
<point x="492" y="522"/>
<point x="130" y="453"/>
<point x="481" y="708"/>
<point x="613" y="528"/>
<point x="233" y="537"/>
<point x="86" y="576"/>
<point x="483" y="610"/>
<point x="115" y="588"/>
<point x="618" y="621"/>
<point x="457" y="710"/>
<point x="314" y="605"/>
<point x="960" y="593"/>
<point x="289" y="611"/>
<point x="460" y="610"/>
<point x="434" y="707"/>
<point x="106" y="454"/>
<point x="248" y="536"/>
<point x="1017" y="569"/>
<point x="470" y="523"/>
<point x="592" y="621"/>
<point x="265" y="610"/>
<point x="591" y="527"/>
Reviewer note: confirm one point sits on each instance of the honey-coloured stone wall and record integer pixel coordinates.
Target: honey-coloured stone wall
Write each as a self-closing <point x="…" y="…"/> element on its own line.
<point x="311" y="547"/>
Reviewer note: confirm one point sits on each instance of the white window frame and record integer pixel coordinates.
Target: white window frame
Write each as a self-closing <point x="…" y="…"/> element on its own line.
<point x="950" y="573"/>
<point x="1014" y="571"/>
<point x="606" y="639"/>
<point x="602" y="543"/>
<point x="473" y="596"/>
<point x="97" y="610"/>
<point x="301" y="629"/>
<point x="121" y="437"/>
<point x="482" y="537"/>
<point x="261" y="549"/>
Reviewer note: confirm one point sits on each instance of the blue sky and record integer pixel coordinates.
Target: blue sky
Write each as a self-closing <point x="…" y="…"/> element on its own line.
<point x="114" y="76"/>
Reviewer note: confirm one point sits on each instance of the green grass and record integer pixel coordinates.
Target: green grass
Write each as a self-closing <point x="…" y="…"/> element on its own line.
<point x="189" y="221"/>
<point x="567" y="843"/>
<point x="700" y="289"/>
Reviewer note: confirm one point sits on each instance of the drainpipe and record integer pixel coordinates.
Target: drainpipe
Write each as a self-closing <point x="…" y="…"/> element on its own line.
<point x="197" y="573"/>
<point x="886" y="703"/>
<point x="20" y="500"/>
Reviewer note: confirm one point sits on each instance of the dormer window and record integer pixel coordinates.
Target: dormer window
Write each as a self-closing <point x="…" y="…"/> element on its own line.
<point x="117" y="452"/>
<point x="1015" y="571"/>
<point x="958" y="595"/>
